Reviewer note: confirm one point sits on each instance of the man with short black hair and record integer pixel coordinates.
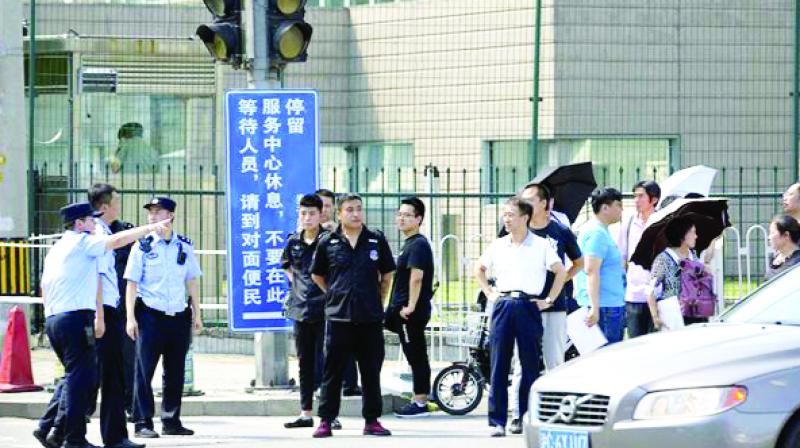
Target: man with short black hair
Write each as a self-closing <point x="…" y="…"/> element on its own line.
<point x="601" y="284"/>
<point x="354" y="266"/>
<point x="410" y="307"/>
<point x="646" y="195"/>
<point x="305" y="304"/>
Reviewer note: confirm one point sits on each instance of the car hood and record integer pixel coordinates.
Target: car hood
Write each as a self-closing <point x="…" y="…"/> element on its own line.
<point x="697" y="356"/>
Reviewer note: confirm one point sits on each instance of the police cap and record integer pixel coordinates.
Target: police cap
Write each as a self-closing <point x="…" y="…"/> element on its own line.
<point x="79" y="210"/>
<point x="165" y="203"/>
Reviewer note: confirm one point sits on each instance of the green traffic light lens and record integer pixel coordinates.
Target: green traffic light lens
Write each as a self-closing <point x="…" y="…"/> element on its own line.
<point x="291" y="43"/>
<point x="287" y="7"/>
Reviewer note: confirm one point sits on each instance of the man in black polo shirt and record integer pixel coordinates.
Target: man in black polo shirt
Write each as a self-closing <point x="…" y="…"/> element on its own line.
<point x="354" y="267"/>
<point x="410" y="308"/>
<point x="306" y="302"/>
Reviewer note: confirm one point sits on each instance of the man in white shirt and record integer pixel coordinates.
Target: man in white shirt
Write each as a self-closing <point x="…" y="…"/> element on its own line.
<point x="519" y="262"/>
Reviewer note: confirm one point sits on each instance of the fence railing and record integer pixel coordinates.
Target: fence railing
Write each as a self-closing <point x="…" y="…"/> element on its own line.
<point x="462" y="216"/>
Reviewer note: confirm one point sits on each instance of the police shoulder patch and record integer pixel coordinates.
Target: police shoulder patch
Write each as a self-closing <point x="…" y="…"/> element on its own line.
<point x="183" y="239"/>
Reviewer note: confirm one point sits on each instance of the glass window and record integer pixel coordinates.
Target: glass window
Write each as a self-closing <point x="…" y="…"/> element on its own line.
<point x="334" y="168"/>
<point x="776" y="301"/>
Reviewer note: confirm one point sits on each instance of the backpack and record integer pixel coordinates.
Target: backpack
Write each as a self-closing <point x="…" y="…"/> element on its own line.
<point x="696" y="295"/>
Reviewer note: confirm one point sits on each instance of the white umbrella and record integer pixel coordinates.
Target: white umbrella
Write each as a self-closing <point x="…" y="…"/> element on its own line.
<point x="695" y="179"/>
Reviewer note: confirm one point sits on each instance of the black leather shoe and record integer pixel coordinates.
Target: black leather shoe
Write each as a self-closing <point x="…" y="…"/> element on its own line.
<point x="145" y="433"/>
<point x="126" y="443"/>
<point x="179" y="431"/>
<point x="41" y="436"/>
<point x="55" y="440"/>
<point x="300" y="423"/>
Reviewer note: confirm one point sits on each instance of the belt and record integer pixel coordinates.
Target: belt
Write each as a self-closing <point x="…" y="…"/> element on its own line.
<point x="158" y="312"/>
<point x="519" y="295"/>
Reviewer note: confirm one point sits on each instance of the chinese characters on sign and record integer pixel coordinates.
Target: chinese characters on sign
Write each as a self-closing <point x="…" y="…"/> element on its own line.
<point x="272" y="140"/>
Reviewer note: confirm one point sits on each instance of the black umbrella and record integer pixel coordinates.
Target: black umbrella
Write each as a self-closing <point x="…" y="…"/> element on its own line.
<point x="571" y="186"/>
<point x="710" y="218"/>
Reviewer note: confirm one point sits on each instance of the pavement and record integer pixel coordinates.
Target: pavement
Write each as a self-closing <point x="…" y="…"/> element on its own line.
<point x="247" y="432"/>
<point x="223" y="379"/>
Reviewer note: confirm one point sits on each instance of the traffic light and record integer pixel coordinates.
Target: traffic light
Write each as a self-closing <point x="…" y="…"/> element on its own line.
<point x="288" y="34"/>
<point x="223" y="37"/>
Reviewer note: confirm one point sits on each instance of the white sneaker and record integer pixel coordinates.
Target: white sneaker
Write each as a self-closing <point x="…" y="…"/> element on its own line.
<point x="497" y="431"/>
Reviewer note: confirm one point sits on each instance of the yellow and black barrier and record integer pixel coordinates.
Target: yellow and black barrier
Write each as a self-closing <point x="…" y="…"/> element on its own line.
<point x="14" y="267"/>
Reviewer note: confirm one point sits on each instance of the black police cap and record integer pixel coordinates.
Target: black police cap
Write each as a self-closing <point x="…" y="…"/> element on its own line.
<point x="79" y="210"/>
<point x="165" y="203"/>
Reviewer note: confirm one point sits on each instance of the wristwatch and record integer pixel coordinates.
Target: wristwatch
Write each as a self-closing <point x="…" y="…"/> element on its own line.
<point x="549" y="301"/>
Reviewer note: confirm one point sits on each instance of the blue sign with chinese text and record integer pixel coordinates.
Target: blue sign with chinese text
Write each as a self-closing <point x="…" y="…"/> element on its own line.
<point x="272" y="146"/>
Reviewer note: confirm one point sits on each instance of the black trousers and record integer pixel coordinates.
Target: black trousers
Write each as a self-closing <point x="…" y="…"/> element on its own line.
<point x="128" y="356"/>
<point x="308" y="339"/>
<point x="160" y="336"/>
<point x="71" y="335"/>
<point x="364" y="341"/>
<point x="349" y="376"/>
<point x="112" y="411"/>
<point x="638" y="319"/>
<point x="412" y="339"/>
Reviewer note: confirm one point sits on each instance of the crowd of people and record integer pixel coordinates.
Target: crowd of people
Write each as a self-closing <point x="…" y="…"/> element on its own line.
<point x="116" y="302"/>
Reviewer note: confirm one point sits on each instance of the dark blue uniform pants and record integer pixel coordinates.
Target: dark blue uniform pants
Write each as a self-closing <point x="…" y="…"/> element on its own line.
<point x="109" y="351"/>
<point x="308" y="339"/>
<point x="513" y="320"/>
<point x="71" y="335"/>
<point x="343" y="341"/>
<point x="170" y="337"/>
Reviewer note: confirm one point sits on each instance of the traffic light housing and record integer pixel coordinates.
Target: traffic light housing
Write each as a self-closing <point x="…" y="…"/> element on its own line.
<point x="288" y="34"/>
<point x="223" y="37"/>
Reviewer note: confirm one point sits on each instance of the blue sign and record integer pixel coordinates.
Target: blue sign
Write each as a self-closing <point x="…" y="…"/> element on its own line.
<point x="272" y="143"/>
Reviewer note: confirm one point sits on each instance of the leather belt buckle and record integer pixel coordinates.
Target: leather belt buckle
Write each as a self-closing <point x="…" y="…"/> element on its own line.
<point x="515" y="294"/>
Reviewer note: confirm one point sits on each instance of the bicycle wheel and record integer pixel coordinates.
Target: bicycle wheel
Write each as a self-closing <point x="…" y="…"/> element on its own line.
<point x="457" y="389"/>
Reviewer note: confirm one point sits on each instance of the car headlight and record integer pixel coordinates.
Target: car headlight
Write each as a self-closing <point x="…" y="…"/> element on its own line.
<point x="689" y="402"/>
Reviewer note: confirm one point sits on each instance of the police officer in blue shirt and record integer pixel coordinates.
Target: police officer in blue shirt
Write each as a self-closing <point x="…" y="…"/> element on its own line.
<point x="74" y="313"/>
<point x="161" y="268"/>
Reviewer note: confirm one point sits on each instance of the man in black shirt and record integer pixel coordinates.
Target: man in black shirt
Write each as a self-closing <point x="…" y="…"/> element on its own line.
<point x="354" y="267"/>
<point x="306" y="302"/>
<point x="410" y="308"/>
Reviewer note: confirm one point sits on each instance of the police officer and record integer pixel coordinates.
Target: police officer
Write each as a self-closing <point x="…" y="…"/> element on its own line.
<point x="350" y="386"/>
<point x="161" y="268"/>
<point x="519" y="262"/>
<point x="410" y="307"/>
<point x="354" y="267"/>
<point x="74" y="314"/>
<point x="306" y="302"/>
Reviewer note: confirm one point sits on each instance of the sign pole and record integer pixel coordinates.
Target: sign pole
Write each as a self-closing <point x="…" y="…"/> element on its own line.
<point x="271" y="349"/>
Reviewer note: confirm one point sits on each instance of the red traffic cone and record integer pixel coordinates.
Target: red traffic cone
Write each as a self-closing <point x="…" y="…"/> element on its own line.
<point x="15" y="368"/>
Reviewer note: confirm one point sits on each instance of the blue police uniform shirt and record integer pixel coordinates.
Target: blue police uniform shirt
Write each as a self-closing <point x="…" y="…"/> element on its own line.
<point x="106" y="266"/>
<point x="69" y="280"/>
<point x="160" y="278"/>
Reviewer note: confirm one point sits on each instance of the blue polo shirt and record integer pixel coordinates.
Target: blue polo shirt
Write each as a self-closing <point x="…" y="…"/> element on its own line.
<point x="595" y="241"/>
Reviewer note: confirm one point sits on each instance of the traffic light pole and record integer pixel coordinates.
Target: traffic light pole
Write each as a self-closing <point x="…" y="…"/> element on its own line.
<point x="271" y="349"/>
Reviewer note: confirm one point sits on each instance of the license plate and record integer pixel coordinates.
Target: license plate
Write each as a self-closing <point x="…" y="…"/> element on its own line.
<point x="560" y="438"/>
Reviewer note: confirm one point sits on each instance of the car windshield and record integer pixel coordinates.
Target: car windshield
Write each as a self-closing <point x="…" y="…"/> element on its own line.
<point x="775" y="302"/>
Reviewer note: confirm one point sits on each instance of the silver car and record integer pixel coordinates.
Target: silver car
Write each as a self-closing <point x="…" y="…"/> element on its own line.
<point x="732" y="383"/>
